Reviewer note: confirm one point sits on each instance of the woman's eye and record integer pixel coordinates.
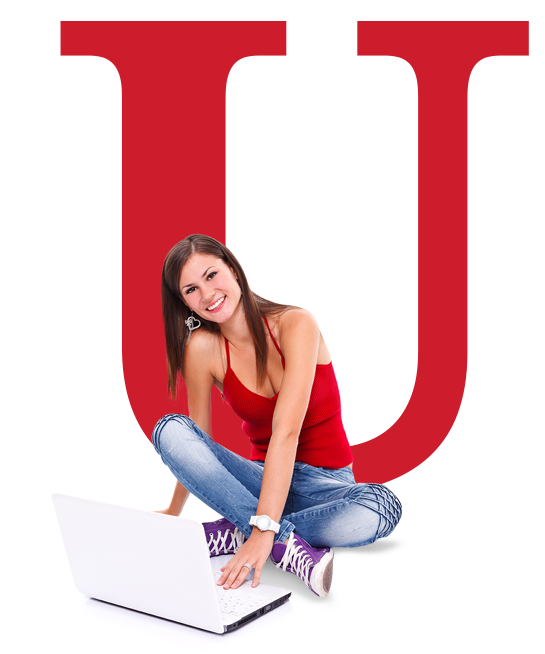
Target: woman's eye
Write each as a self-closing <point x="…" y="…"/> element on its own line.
<point x="190" y="290"/>
<point x="209" y="276"/>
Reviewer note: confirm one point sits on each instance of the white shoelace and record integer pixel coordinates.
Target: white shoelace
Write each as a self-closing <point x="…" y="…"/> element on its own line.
<point x="219" y="545"/>
<point x="299" y="561"/>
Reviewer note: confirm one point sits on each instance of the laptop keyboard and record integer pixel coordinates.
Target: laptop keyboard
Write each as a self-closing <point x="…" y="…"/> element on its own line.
<point x="236" y="602"/>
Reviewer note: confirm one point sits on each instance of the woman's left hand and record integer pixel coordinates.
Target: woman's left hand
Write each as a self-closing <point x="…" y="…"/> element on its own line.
<point x="255" y="552"/>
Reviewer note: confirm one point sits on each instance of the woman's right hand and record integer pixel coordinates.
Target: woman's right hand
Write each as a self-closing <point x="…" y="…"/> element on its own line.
<point x="178" y="500"/>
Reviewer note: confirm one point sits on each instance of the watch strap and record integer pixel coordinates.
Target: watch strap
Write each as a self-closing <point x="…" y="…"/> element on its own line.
<point x="271" y="525"/>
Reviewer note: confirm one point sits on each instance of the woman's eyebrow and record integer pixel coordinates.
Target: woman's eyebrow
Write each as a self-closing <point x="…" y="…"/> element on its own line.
<point x="204" y="273"/>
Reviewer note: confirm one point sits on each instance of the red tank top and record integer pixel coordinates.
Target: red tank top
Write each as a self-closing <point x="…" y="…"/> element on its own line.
<point x="322" y="440"/>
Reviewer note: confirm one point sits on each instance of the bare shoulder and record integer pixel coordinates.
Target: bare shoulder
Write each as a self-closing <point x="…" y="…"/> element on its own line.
<point x="201" y="354"/>
<point x="297" y="319"/>
<point x="296" y="326"/>
<point x="200" y="343"/>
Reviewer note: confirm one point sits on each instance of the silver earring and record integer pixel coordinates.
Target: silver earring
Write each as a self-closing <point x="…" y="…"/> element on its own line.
<point x="190" y="322"/>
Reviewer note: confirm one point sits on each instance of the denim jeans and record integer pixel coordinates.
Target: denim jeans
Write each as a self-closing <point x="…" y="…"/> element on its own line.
<point x="325" y="506"/>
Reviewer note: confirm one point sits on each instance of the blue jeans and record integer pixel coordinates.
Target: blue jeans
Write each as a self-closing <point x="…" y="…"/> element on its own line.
<point x="325" y="506"/>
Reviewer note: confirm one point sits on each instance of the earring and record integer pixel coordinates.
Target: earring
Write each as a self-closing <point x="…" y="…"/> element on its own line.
<point x="190" y="322"/>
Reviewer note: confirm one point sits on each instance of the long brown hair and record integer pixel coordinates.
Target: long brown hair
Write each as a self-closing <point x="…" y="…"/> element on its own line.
<point x="176" y="312"/>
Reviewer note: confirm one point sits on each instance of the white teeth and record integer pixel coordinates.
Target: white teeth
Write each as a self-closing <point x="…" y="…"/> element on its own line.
<point x="214" y="306"/>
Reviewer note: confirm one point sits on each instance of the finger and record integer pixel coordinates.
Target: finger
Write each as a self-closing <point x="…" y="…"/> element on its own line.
<point x="257" y="577"/>
<point x="231" y="577"/>
<point x="243" y="573"/>
<point x="237" y="576"/>
<point x="226" y="571"/>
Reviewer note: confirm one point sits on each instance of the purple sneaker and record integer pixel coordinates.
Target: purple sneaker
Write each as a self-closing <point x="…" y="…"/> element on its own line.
<point x="222" y="537"/>
<point x="313" y="566"/>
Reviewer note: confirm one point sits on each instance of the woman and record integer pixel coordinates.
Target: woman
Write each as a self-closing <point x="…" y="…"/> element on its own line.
<point x="296" y="497"/>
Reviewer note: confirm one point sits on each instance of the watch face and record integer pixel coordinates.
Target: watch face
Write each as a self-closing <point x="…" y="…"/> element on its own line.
<point x="263" y="522"/>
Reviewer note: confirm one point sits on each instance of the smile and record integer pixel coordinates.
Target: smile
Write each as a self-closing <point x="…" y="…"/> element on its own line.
<point x="217" y="304"/>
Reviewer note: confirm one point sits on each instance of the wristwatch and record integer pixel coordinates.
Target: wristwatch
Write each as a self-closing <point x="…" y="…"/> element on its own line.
<point x="264" y="523"/>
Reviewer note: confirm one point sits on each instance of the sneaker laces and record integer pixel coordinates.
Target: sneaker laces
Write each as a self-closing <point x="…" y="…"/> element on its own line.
<point x="219" y="544"/>
<point x="300" y="561"/>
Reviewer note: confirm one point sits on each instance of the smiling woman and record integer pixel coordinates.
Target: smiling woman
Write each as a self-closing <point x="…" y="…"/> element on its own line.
<point x="296" y="497"/>
<point x="197" y="274"/>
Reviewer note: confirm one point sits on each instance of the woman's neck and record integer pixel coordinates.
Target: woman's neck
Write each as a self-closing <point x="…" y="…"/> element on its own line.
<point x="237" y="331"/>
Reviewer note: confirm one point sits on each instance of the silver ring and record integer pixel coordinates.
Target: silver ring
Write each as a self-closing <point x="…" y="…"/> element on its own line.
<point x="247" y="565"/>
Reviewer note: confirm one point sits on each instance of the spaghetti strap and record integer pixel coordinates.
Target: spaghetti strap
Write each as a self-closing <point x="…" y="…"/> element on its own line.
<point x="227" y="352"/>
<point x="274" y="341"/>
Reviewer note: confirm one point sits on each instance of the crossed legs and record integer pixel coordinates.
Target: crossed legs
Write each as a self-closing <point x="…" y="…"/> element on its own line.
<point x="325" y="507"/>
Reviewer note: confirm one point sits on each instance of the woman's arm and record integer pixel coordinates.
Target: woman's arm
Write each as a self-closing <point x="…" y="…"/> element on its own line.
<point x="198" y="377"/>
<point x="199" y="381"/>
<point x="299" y="339"/>
<point x="178" y="500"/>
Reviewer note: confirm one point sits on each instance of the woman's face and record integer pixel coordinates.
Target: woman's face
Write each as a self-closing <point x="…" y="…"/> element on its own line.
<point x="209" y="287"/>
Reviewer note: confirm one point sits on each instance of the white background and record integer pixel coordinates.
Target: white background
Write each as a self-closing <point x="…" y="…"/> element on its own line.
<point x="362" y="276"/>
<point x="466" y="590"/>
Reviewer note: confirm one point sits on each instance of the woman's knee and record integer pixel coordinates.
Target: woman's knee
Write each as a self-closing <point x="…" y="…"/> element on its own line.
<point x="383" y="503"/>
<point x="171" y="419"/>
<point x="170" y="429"/>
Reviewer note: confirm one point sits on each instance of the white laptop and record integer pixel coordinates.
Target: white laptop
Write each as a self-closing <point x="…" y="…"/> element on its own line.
<point x="156" y="564"/>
